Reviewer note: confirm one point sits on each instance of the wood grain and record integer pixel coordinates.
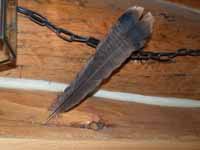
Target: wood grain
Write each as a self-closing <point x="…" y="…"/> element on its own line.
<point x="36" y="144"/>
<point x="190" y="3"/>
<point x="41" y="55"/>
<point x="50" y="58"/>
<point x="22" y="115"/>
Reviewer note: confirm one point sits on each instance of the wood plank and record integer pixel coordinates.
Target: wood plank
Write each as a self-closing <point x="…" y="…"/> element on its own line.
<point x="190" y="3"/>
<point x="102" y="123"/>
<point x="122" y="81"/>
<point x="53" y="59"/>
<point x="36" y="144"/>
<point x="22" y="114"/>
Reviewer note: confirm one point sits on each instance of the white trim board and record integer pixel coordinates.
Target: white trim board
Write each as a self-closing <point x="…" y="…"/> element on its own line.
<point x="42" y="85"/>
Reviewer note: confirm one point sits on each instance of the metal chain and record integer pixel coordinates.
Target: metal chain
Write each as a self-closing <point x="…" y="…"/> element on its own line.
<point x="93" y="42"/>
<point x="164" y="56"/>
<point x="60" y="32"/>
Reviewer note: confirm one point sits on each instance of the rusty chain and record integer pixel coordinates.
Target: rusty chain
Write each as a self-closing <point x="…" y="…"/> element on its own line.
<point x="60" y="32"/>
<point x="93" y="42"/>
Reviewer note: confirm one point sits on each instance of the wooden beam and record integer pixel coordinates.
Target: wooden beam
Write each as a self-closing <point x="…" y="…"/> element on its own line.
<point x="38" y="144"/>
<point x="50" y="58"/>
<point x="189" y="3"/>
<point x="23" y="113"/>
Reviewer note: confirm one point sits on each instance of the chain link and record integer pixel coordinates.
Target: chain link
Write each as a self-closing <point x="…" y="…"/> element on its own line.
<point x="164" y="56"/>
<point x="93" y="42"/>
<point x="60" y="32"/>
